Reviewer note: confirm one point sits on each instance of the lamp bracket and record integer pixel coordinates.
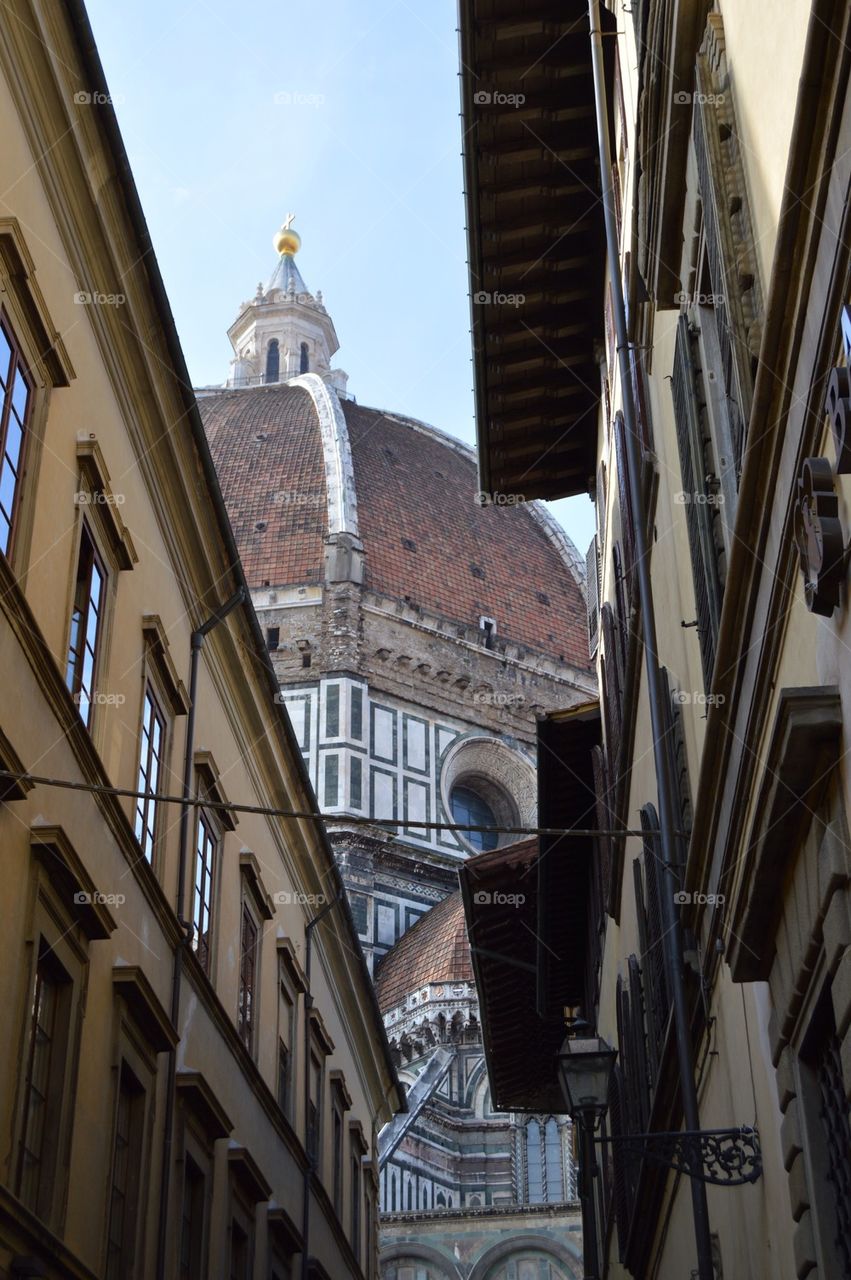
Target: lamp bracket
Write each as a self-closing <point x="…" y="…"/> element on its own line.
<point x="722" y="1157"/>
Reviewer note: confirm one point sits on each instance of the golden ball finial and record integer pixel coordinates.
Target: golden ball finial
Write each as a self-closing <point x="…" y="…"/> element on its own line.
<point x="287" y="241"/>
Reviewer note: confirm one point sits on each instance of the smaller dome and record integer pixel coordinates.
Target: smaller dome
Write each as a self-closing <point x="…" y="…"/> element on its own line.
<point x="435" y="949"/>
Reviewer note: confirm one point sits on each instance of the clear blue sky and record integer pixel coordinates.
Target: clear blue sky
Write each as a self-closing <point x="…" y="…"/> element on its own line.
<point x="346" y="114"/>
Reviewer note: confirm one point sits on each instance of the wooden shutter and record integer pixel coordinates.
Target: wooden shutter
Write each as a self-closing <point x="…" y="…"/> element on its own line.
<point x="696" y="497"/>
<point x="728" y="230"/>
<point x="592" y="594"/>
<point x="656" y="882"/>
<point x="624" y="500"/>
<point x="612" y="691"/>
<point x="624" y="619"/>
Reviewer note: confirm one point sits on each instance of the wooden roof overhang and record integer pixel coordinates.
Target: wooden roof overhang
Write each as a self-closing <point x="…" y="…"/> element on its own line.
<point x="527" y="909"/>
<point x="535" y="232"/>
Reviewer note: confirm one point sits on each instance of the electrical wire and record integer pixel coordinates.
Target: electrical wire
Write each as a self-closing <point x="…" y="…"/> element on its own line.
<point x="309" y="815"/>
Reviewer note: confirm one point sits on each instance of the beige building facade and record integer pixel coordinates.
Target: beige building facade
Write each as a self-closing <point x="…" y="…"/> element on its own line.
<point x="195" y="1068"/>
<point x="728" y="126"/>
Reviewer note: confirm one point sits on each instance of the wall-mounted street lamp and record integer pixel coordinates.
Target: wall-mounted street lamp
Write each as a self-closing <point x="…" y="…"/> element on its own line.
<point x="723" y="1157"/>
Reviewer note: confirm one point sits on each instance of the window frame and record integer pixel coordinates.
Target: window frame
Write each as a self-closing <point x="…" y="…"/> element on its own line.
<point x="248" y="984"/>
<point x="74" y="686"/>
<point x="151" y="692"/>
<point x="135" y="1146"/>
<point x="18" y="363"/>
<point x="207" y="821"/>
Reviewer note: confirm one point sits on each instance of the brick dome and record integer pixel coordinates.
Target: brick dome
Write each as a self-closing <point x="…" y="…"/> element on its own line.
<point x="435" y="949"/>
<point x="297" y="463"/>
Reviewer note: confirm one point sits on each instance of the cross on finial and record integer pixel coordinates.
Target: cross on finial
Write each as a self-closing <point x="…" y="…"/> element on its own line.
<point x="289" y="221"/>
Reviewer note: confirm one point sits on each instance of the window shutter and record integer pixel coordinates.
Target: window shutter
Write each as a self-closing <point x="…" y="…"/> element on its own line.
<point x="622" y="598"/>
<point x="623" y="1168"/>
<point x="592" y="594"/>
<point x="639" y="394"/>
<point x="612" y="692"/>
<point x="627" y="522"/>
<point x="728" y="230"/>
<point x="656" y="882"/>
<point x="638" y="1035"/>
<point x="696" y="495"/>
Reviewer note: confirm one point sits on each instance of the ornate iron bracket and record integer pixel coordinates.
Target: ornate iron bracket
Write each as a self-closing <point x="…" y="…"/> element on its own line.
<point x="722" y="1157"/>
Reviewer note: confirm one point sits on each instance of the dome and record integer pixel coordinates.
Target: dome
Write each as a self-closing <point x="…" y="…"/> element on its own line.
<point x="435" y="949"/>
<point x="297" y="463"/>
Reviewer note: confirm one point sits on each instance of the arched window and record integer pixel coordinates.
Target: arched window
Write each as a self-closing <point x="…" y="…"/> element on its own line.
<point x="273" y="361"/>
<point x="553" y="1161"/>
<point x="411" y="1194"/>
<point x="469" y="808"/>
<point x="304" y="366"/>
<point x="534" y="1164"/>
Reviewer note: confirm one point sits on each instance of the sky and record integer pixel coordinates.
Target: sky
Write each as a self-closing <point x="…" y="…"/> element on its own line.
<point x="347" y="115"/>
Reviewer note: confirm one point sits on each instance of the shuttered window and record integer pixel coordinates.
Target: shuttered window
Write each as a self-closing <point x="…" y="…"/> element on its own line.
<point x="697" y="495"/>
<point x="624" y="498"/>
<point x="592" y="594"/>
<point x="728" y="231"/>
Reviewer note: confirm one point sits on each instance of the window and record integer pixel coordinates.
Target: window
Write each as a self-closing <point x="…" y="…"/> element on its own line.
<point x="338" y="1154"/>
<point x="45" y="1070"/>
<point x="86" y="627"/>
<point x="126" y="1169"/>
<point x="273" y="638"/>
<point x="534" y="1164"/>
<point x="828" y="1139"/>
<point x="273" y="361"/>
<point x="285" y="1049"/>
<point x="314" y="1110"/>
<point x="16" y="393"/>
<point x="192" y="1223"/>
<point x="357" y="714"/>
<point x="304" y="362"/>
<point x="332" y="711"/>
<point x="247" y="976"/>
<point x="354" y="1228"/>
<point x="239" y="1251"/>
<point x="332" y="781"/>
<point x="206" y="852"/>
<point x="469" y="809"/>
<point x="150" y="764"/>
<point x="545" y="1162"/>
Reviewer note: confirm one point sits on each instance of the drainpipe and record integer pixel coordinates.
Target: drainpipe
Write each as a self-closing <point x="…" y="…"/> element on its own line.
<point x="656" y="693"/>
<point x="310" y="1163"/>
<point x="197" y="641"/>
